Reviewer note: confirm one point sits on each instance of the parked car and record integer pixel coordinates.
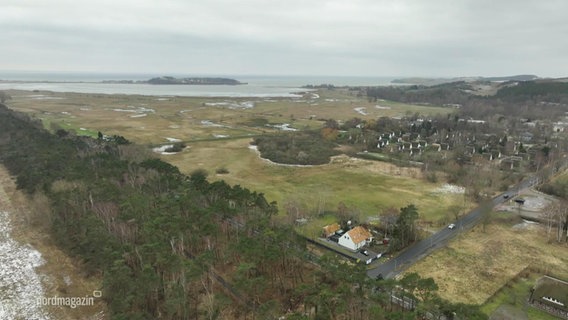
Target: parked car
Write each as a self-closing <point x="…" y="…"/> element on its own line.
<point x="334" y="237"/>
<point x="364" y="252"/>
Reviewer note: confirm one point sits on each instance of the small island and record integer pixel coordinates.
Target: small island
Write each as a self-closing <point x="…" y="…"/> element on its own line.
<point x="184" y="81"/>
<point x="194" y="81"/>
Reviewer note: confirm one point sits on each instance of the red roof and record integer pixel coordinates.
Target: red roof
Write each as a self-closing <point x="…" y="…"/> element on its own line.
<point x="359" y="234"/>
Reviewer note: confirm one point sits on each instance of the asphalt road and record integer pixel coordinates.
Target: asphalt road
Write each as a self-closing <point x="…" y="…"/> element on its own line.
<point x="418" y="250"/>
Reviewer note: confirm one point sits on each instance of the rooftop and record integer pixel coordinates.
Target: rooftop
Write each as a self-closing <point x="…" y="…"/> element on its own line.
<point x="359" y="234"/>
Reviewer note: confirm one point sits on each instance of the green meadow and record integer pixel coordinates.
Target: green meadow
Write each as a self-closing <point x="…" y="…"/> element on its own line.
<point x="217" y="132"/>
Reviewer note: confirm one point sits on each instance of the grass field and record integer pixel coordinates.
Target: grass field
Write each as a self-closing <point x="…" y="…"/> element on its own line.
<point x="477" y="264"/>
<point x="147" y="119"/>
<point x="370" y="186"/>
<point x="218" y="131"/>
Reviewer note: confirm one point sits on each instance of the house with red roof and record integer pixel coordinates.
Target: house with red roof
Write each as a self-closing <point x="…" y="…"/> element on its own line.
<point x="355" y="238"/>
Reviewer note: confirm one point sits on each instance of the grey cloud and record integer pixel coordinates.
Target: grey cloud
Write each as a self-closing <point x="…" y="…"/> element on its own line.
<point x="358" y="37"/>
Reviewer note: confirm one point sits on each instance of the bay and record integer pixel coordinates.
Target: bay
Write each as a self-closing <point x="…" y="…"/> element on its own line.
<point x="256" y="86"/>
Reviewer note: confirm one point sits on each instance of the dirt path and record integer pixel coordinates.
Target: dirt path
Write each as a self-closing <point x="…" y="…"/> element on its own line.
<point x="33" y="269"/>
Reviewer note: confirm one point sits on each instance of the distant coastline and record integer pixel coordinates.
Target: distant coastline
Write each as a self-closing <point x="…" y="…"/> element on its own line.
<point x="437" y="81"/>
<point x="155" y="81"/>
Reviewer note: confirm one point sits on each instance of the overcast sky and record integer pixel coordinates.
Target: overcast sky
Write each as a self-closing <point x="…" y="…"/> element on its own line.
<point x="287" y="37"/>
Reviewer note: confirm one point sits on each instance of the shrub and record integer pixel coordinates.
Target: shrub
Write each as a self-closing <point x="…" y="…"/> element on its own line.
<point x="222" y="170"/>
<point x="177" y="147"/>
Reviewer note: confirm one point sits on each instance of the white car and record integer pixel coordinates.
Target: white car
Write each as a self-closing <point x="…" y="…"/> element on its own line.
<point x="451" y="226"/>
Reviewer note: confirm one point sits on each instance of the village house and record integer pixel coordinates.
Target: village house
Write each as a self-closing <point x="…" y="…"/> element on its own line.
<point x="551" y="295"/>
<point x="355" y="238"/>
<point x="510" y="163"/>
<point x="502" y="151"/>
<point x="330" y="229"/>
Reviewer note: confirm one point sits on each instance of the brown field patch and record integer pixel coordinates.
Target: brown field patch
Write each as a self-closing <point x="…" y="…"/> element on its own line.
<point x="368" y="185"/>
<point x="380" y="167"/>
<point x="477" y="264"/>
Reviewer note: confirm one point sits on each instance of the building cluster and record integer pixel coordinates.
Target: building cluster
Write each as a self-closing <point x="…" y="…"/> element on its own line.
<point x="509" y="150"/>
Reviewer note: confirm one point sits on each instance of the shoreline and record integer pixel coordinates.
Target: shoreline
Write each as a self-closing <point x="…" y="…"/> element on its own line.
<point x="20" y="277"/>
<point x="118" y="82"/>
<point x="35" y="268"/>
<point x="166" y="90"/>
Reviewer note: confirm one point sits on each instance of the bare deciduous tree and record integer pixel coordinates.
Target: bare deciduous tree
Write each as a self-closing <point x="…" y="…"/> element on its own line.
<point x="556" y="215"/>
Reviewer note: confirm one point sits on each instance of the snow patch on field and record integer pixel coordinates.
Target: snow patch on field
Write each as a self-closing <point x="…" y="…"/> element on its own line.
<point x="162" y="149"/>
<point x="361" y="111"/>
<point x="450" y="188"/>
<point x="134" y="109"/>
<point x="282" y="126"/>
<point x="232" y="104"/>
<point x="20" y="285"/>
<point x="313" y="95"/>
<point x="173" y="139"/>
<point x="526" y="224"/>
<point x="209" y="123"/>
<point x="44" y="97"/>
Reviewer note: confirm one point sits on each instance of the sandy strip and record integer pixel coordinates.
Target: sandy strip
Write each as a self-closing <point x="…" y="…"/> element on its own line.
<point x="20" y="284"/>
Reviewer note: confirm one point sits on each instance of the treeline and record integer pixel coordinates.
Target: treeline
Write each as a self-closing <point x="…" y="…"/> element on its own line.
<point x="171" y="246"/>
<point x="437" y="95"/>
<point x="522" y="100"/>
<point x="304" y="148"/>
<point x="549" y="91"/>
<point x="161" y="240"/>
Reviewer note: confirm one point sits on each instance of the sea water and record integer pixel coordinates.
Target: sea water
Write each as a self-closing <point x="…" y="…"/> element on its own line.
<point x="255" y="86"/>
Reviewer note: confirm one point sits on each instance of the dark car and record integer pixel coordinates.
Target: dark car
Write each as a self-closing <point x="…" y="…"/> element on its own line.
<point x="334" y="238"/>
<point x="506" y="196"/>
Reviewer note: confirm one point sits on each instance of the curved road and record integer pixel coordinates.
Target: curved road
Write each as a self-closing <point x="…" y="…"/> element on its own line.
<point x="424" y="247"/>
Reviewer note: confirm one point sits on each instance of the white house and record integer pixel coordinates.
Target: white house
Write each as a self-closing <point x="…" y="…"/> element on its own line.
<point x="355" y="238"/>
